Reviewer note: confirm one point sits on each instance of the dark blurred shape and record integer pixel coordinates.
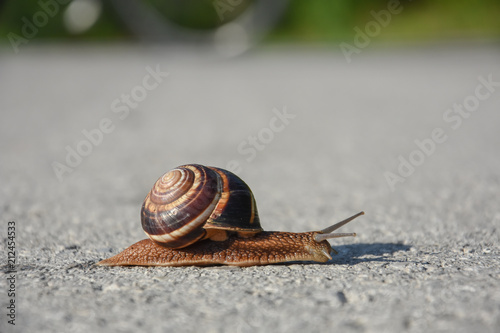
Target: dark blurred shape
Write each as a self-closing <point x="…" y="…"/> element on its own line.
<point x="193" y="14"/>
<point x="231" y="26"/>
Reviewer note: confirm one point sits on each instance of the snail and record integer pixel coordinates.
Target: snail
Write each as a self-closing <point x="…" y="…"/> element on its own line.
<point x="197" y="216"/>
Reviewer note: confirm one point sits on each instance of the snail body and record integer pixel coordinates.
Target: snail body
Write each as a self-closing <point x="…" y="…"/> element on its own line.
<point x="198" y="215"/>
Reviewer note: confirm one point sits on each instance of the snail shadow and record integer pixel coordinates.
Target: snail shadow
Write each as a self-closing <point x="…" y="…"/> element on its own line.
<point x="363" y="252"/>
<point x="353" y="254"/>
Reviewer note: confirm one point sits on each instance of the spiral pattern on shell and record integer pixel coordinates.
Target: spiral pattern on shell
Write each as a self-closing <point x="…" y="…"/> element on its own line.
<point x="190" y="200"/>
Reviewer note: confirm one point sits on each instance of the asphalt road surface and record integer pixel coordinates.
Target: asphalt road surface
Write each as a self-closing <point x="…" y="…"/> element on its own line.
<point x="408" y="135"/>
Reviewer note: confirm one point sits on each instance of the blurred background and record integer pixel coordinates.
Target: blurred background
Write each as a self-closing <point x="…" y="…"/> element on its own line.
<point x="318" y="21"/>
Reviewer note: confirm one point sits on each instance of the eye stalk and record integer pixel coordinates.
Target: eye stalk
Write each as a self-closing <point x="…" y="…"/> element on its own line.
<point x="327" y="232"/>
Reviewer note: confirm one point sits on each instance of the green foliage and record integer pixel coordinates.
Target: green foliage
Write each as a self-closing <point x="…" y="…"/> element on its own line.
<point x="326" y="20"/>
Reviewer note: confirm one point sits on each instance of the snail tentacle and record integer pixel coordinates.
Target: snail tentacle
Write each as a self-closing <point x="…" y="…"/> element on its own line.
<point x="341" y="223"/>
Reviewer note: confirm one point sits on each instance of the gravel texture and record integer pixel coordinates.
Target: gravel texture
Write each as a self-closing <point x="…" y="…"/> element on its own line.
<point x="426" y="257"/>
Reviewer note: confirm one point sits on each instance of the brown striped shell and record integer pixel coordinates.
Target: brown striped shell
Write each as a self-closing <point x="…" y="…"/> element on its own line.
<point x="194" y="202"/>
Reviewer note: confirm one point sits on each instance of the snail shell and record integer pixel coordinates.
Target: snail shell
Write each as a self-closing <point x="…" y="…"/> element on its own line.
<point x="194" y="202"/>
